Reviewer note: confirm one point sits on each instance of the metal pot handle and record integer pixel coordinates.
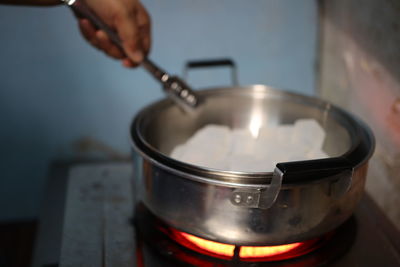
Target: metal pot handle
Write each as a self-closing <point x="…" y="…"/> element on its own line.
<point x="212" y="63"/>
<point x="261" y="198"/>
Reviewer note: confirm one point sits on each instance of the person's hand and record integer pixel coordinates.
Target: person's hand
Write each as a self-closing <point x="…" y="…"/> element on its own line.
<point x="129" y="19"/>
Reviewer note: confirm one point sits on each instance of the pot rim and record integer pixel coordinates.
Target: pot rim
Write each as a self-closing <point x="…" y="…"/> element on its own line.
<point x="362" y="139"/>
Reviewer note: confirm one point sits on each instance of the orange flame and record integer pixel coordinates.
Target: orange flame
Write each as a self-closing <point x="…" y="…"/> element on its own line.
<point x="211" y="246"/>
<point x="227" y="251"/>
<point x="268" y="251"/>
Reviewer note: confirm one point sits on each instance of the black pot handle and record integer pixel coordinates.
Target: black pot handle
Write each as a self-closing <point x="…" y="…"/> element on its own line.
<point x="212" y="63"/>
<point x="309" y="170"/>
<point x="338" y="170"/>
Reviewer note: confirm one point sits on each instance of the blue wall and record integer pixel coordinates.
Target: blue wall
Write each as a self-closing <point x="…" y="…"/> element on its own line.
<point x="55" y="89"/>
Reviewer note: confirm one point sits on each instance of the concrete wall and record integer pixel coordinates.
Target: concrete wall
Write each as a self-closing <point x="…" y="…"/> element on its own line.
<point x="360" y="71"/>
<point x="56" y="91"/>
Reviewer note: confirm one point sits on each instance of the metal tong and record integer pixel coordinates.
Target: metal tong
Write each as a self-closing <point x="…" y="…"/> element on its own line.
<point x="176" y="88"/>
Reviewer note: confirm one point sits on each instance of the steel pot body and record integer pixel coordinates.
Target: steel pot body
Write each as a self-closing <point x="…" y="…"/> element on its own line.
<point x="296" y="201"/>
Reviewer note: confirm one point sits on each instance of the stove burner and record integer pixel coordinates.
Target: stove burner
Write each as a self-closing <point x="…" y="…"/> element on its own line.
<point x="245" y="253"/>
<point x="171" y="247"/>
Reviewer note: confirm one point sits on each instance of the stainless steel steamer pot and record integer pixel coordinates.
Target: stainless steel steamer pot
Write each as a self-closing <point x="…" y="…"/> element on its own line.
<point x="296" y="201"/>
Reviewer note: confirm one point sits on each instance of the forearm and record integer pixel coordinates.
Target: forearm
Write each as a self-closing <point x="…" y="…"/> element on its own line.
<point x="31" y="2"/>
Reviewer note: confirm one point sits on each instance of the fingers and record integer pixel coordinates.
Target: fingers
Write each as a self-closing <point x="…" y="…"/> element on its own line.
<point x="131" y="22"/>
<point x="88" y="31"/>
<point x="133" y="27"/>
<point x="107" y="45"/>
<point x="143" y="21"/>
<point x="128" y="31"/>
<point x="126" y="62"/>
<point x="99" y="39"/>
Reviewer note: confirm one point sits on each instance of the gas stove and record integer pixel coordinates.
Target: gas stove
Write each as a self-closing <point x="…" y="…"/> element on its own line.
<point x="102" y="227"/>
<point x="160" y="244"/>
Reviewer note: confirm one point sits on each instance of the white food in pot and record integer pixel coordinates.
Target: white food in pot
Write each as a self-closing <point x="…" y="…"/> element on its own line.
<point x="219" y="147"/>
